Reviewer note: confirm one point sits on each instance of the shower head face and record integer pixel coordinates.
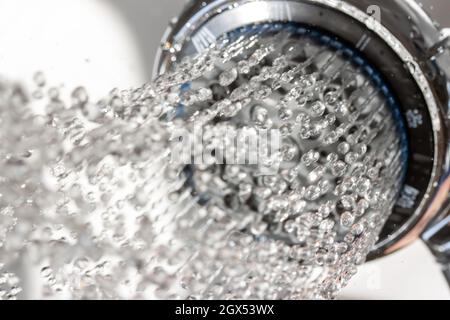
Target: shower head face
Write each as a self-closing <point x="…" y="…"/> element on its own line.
<point x="395" y="61"/>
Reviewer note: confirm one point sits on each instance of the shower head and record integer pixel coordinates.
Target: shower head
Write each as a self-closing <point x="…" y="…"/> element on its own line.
<point x="395" y="42"/>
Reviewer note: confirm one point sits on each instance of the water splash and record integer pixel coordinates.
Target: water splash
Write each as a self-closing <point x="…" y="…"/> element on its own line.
<point x="88" y="194"/>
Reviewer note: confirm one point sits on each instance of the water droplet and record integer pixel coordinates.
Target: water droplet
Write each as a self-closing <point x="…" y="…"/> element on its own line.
<point x="228" y="77"/>
<point x="347" y="219"/>
<point x="39" y="79"/>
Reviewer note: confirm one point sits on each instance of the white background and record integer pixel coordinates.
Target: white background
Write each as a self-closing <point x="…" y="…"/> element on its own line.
<point x="103" y="44"/>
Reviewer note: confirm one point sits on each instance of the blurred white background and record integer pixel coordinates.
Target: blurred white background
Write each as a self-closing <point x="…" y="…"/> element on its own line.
<point x="103" y="44"/>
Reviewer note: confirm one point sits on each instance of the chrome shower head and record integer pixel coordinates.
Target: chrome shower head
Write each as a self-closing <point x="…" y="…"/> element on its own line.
<point x="396" y="43"/>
